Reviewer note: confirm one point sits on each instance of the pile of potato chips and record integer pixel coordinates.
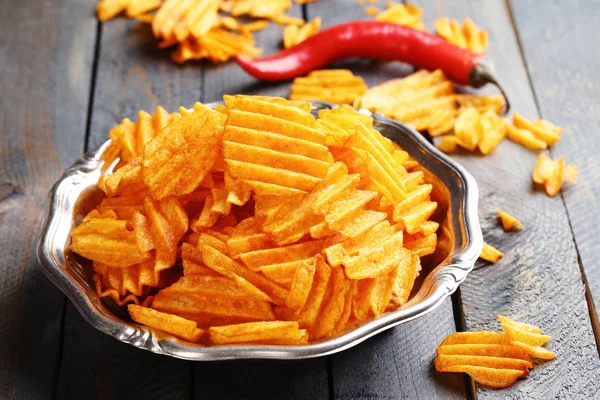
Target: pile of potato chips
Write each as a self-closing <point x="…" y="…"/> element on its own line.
<point x="491" y="358"/>
<point x="209" y="28"/>
<point x="257" y="221"/>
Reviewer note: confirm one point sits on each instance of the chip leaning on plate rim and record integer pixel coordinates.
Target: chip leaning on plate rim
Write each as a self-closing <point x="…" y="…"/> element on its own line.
<point x="459" y="245"/>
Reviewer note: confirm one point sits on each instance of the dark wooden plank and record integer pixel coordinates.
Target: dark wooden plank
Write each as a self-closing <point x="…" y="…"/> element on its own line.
<point x="556" y="39"/>
<point x="132" y="75"/>
<point x="538" y="280"/>
<point x="257" y="379"/>
<point x="398" y="363"/>
<point x="45" y="57"/>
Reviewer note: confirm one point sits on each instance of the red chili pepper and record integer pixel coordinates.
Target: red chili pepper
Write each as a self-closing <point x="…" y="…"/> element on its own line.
<point x="376" y="40"/>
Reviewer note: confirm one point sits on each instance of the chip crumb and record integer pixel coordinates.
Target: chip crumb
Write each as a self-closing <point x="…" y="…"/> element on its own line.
<point x="371" y="11"/>
<point x="490" y="253"/>
<point x="508" y="221"/>
<point x="553" y="173"/>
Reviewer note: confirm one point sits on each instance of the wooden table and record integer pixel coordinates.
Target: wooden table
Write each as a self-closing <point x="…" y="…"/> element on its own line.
<point x="66" y="79"/>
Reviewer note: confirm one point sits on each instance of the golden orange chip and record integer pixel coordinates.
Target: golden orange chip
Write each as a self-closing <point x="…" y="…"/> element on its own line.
<point x="508" y="221"/>
<point x="469" y="36"/>
<point x="177" y="326"/>
<point x="524" y="333"/>
<point x="535" y="351"/>
<point x="218" y="45"/>
<point x="490" y="254"/>
<point x="332" y="306"/>
<point x="292" y="34"/>
<point x="484" y="349"/>
<point x="524" y="138"/>
<point x="422" y="245"/>
<point x="284" y="19"/>
<point x="542" y="130"/>
<point x="179" y="158"/>
<point x="275" y="332"/>
<point x="481" y="103"/>
<point x="335" y="86"/>
<point x="403" y="14"/>
<point x="168" y="222"/>
<point x="552" y="173"/>
<point x="493" y="377"/>
<point x="301" y="285"/>
<point x="119" y="283"/>
<point x="179" y="19"/>
<point x="444" y="361"/>
<point x="371" y="11"/>
<point x="308" y="314"/>
<point x="258" y="8"/>
<point x="479" y="337"/>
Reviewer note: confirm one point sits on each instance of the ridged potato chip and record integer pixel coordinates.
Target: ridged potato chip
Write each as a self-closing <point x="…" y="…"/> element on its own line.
<point x="468" y="36"/>
<point x="403" y="14"/>
<point x="173" y="324"/>
<point x="275" y="332"/>
<point x="338" y="86"/>
<point x="552" y="173"/>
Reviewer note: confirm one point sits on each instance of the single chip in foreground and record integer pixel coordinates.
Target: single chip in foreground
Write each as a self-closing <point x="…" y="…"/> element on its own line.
<point x="177" y="326"/>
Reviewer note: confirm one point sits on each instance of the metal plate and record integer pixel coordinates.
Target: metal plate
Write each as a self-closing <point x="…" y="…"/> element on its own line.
<point x="460" y="243"/>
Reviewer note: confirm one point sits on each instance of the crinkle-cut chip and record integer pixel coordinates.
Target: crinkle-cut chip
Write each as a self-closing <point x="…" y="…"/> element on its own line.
<point x="345" y="186"/>
<point x="362" y="223"/>
<point x="520" y="325"/>
<point x="231" y="101"/>
<point x="256" y="8"/>
<point x="344" y="117"/>
<point x="439" y="122"/>
<point x="336" y="86"/>
<point x="292" y="34"/>
<point x="173" y="324"/>
<point x="492" y="130"/>
<point x="215" y="206"/>
<point x="403" y="14"/>
<point x="414" y="198"/>
<point x="332" y="305"/>
<point x="260" y="258"/>
<point x="168" y="223"/>
<point x="361" y="300"/>
<point x="108" y="9"/>
<point x="468" y="36"/>
<point x="283" y="273"/>
<point x="191" y="268"/>
<point x="524" y="333"/>
<point x="478" y="337"/>
<point x="483" y="349"/>
<point x="218" y="261"/>
<point x="342" y="322"/>
<point x="123" y="206"/>
<point x="543" y="130"/>
<point x="267" y="161"/>
<point x="411" y="114"/>
<point x="206" y="239"/>
<point x="141" y="228"/>
<point x="481" y="103"/>
<point x="375" y="261"/>
<point x="238" y="192"/>
<point x="525" y="138"/>
<point x="492" y="377"/>
<point x="465" y="129"/>
<point x="414" y="217"/>
<point x="268" y="206"/>
<point x="273" y="332"/>
<point x="290" y="226"/>
<point x="301" y="285"/>
<point x="321" y="231"/>
<point x="449" y="360"/>
<point x="342" y="247"/>
<point x="177" y="160"/>
<point x="248" y="237"/>
<point x="408" y="270"/>
<point x="114" y="294"/>
<point x="284" y="19"/>
<point x="448" y="144"/>
<point x="412" y="179"/>
<point x="126" y="178"/>
<point x="218" y="45"/>
<point x="348" y="208"/>
<point x="508" y="221"/>
<point x="308" y="314"/>
<point x="176" y="20"/>
<point x="535" y="351"/>
<point x="552" y="173"/>
<point x="382" y="291"/>
<point x="108" y="241"/>
<point x="491" y="254"/>
<point x="428" y="227"/>
<point x="422" y="245"/>
<point x="134" y="279"/>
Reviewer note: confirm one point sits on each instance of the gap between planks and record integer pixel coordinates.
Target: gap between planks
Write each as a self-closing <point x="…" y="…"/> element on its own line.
<point x="588" y="295"/>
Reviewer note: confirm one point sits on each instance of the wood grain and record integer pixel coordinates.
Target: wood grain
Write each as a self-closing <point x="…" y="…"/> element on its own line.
<point x="564" y="75"/>
<point x="538" y="280"/>
<point x="45" y="65"/>
<point x="396" y="364"/>
<point x="131" y="75"/>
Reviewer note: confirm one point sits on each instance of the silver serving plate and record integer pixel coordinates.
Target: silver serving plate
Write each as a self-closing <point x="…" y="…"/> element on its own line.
<point x="460" y="244"/>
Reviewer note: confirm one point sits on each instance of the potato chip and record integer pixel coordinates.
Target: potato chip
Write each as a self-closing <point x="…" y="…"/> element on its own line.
<point x="542" y="130"/>
<point x="256" y="260"/>
<point x="552" y="173"/>
<point x="292" y="35"/>
<point x="469" y="36"/>
<point x="218" y="45"/>
<point x="524" y="333"/>
<point x="108" y="9"/>
<point x="422" y="245"/>
<point x="376" y="261"/>
<point x="179" y="19"/>
<point x="179" y="158"/>
<point x="408" y="270"/>
<point x="177" y="326"/>
<point x="403" y="14"/>
<point x="275" y="332"/>
<point x="332" y="306"/>
<point x="487" y="350"/>
<point x="465" y="129"/>
<point x="301" y="285"/>
<point x="492" y="130"/>
<point x="268" y="165"/>
<point x="491" y="254"/>
<point x="508" y="221"/>
<point x="493" y="377"/>
<point x="478" y="337"/>
<point x="535" y="351"/>
<point x="481" y="103"/>
<point x="259" y="8"/>
<point x="371" y="11"/>
<point x="108" y="241"/>
<point x="338" y="86"/>
<point x="124" y="207"/>
<point x="308" y="314"/>
<point x="444" y="361"/>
